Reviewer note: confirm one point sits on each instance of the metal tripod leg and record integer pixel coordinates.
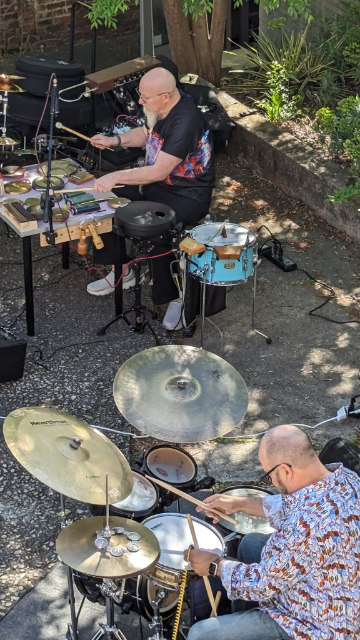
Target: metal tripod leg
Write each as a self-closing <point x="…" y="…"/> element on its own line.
<point x="109" y="631"/>
<point x="268" y="340"/>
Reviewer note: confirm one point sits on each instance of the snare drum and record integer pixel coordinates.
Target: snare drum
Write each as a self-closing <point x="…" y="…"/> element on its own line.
<point x="173" y="533"/>
<point x="216" y="270"/>
<point x="172" y="465"/>
<point x="245" y="523"/>
<point x="142" y="501"/>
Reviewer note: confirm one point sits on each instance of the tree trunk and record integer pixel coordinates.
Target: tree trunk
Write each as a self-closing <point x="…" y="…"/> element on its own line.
<point x="194" y="49"/>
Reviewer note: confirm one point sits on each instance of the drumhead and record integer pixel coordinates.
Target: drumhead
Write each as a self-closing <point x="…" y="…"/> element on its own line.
<point x="143" y="496"/>
<point x="171" y="464"/>
<point x="247" y="524"/>
<point x="173" y="533"/>
<point x="236" y="235"/>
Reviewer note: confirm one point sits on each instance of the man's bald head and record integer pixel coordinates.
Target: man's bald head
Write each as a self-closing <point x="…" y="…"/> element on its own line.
<point x="157" y="81"/>
<point x="287" y="444"/>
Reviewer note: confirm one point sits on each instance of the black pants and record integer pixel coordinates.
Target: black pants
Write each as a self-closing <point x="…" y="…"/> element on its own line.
<point x="187" y="210"/>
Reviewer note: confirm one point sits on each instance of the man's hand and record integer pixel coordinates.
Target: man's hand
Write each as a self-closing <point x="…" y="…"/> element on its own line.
<point x="106" y="183"/>
<point x="101" y="142"/>
<point x="200" y="560"/>
<point x="221" y="502"/>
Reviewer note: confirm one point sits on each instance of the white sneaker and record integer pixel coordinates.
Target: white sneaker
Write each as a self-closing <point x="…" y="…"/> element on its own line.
<point x="106" y="285"/>
<point x="172" y="320"/>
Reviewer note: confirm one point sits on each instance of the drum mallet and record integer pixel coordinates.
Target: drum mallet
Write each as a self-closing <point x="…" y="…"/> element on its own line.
<point x="206" y="579"/>
<point x="59" y="125"/>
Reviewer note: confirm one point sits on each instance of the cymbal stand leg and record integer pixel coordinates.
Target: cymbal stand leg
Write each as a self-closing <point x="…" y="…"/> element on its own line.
<point x="157" y="623"/>
<point x="109" y="631"/>
<point x="73" y="627"/>
<point x="268" y="340"/>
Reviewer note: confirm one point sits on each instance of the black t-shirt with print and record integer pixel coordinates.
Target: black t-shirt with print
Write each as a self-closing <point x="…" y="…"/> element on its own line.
<point x="183" y="133"/>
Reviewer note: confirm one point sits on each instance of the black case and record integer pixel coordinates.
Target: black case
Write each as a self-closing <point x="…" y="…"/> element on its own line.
<point x="12" y="356"/>
<point x="341" y="450"/>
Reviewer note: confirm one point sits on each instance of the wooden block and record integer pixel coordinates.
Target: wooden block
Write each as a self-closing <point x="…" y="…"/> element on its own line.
<point x="101" y="226"/>
<point x="82" y="178"/>
<point x="191" y="246"/>
<point x="17" y="220"/>
<point x="228" y="253"/>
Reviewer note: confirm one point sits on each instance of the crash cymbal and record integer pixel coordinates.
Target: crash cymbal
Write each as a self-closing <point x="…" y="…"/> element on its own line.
<point x="59" y="168"/>
<point x="42" y="440"/>
<point x="16" y="187"/>
<point x="76" y="547"/>
<point x="5" y="141"/>
<point x="4" y="77"/>
<point x="10" y="87"/>
<point x="180" y="394"/>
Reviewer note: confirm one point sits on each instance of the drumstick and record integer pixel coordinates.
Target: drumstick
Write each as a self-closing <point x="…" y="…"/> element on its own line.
<point x="217" y="602"/>
<point x="117" y="186"/>
<point x="205" y="578"/>
<point x="59" y="125"/>
<point x="207" y="507"/>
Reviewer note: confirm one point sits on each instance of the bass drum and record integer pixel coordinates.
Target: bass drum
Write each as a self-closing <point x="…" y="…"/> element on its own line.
<point x="139" y="592"/>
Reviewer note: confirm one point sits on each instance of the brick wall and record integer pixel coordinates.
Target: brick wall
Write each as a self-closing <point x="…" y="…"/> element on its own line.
<point x="27" y="23"/>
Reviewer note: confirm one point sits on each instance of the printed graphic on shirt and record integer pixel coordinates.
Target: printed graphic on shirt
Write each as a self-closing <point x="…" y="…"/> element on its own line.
<point x="195" y="163"/>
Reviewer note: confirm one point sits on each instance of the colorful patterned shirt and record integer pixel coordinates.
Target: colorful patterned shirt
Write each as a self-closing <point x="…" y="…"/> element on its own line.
<point x="308" y="578"/>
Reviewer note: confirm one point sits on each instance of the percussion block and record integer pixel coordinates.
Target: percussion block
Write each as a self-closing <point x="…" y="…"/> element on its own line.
<point x="81" y="178"/>
<point x="228" y="253"/>
<point x="192" y="247"/>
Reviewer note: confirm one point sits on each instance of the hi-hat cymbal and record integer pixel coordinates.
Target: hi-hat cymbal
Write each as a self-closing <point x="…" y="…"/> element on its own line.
<point x="4" y="77"/>
<point x="10" y="87"/>
<point x="180" y="394"/>
<point x="5" y="141"/>
<point x="76" y="547"/>
<point x="42" y="440"/>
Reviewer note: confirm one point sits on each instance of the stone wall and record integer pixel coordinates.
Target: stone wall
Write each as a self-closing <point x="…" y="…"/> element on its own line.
<point x="25" y="24"/>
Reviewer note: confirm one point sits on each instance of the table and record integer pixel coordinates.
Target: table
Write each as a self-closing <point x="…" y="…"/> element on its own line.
<point x="106" y="213"/>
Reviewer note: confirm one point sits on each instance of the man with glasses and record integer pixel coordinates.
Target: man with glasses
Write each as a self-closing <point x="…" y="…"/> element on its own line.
<point x="179" y="172"/>
<point x="302" y="581"/>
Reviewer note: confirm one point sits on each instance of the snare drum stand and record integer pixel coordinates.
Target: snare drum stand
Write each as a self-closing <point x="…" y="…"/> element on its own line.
<point x="157" y="623"/>
<point x="109" y="630"/>
<point x="72" y="630"/>
<point x="256" y="264"/>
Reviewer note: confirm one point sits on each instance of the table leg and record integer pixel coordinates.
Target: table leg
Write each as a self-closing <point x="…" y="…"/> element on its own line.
<point x="28" y="283"/>
<point x="65" y="252"/>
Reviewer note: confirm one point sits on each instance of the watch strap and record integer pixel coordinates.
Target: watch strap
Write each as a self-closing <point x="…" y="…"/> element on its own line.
<point x="216" y="563"/>
<point x="118" y="138"/>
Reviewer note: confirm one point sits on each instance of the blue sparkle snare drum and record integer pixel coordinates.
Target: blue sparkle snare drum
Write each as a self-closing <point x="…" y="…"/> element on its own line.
<point x="226" y="260"/>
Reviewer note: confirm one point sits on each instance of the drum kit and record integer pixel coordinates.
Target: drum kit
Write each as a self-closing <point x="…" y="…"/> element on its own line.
<point x="129" y="553"/>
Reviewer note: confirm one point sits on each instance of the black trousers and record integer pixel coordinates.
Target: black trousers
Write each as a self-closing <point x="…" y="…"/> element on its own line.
<point x="188" y="211"/>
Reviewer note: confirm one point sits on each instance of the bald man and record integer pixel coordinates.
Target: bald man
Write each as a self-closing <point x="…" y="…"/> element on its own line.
<point x="179" y="172"/>
<point x="303" y="581"/>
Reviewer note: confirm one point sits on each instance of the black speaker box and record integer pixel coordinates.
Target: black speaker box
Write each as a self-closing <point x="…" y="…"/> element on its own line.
<point x="38" y="68"/>
<point x="341" y="450"/>
<point x="26" y="108"/>
<point x="12" y="356"/>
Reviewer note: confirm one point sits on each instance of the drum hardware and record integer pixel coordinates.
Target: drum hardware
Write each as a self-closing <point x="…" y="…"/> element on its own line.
<point x="147" y="394"/>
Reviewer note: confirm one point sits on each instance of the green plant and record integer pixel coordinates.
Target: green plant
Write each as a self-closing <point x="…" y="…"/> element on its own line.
<point x="340" y="131"/>
<point x="277" y="104"/>
<point x="305" y="66"/>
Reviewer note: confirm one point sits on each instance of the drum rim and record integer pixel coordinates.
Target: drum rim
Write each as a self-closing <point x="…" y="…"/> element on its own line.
<point x="171" y="446"/>
<point x="220" y="283"/>
<point x="232" y="224"/>
<point x="242" y="486"/>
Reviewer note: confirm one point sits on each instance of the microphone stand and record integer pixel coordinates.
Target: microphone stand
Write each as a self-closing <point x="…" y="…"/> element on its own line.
<point x="48" y="202"/>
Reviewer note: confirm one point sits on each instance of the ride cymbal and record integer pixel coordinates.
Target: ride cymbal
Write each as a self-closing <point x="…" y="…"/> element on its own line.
<point x="180" y="394"/>
<point x="66" y="454"/>
<point x="76" y="547"/>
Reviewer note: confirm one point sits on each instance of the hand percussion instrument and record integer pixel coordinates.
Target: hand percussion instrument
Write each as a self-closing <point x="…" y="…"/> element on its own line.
<point x="228" y="258"/>
<point x="59" y="168"/>
<point x="17" y="187"/>
<point x="55" y="183"/>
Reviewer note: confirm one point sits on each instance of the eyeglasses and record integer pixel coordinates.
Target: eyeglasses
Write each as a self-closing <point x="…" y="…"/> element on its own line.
<point x="266" y="478"/>
<point x="151" y="97"/>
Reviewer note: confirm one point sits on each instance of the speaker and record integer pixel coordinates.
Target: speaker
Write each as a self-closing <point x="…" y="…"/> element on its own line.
<point x="38" y="68"/>
<point x="27" y="109"/>
<point x="341" y="450"/>
<point x="12" y="356"/>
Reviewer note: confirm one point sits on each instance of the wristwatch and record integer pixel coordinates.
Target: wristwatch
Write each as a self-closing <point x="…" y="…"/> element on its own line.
<point x="214" y="565"/>
<point x="118" y="138"/>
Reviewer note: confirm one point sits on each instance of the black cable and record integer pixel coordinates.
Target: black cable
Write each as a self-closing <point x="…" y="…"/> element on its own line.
<point x="320" y="306"/>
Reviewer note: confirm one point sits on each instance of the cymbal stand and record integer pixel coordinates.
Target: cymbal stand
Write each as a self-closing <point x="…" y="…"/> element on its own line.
<point x="205" y="270"/>
<point x="256" y="264"/>
<point x="109" y="631"/>
<point x="157" y="623"/>
<point x="72" y="631"/>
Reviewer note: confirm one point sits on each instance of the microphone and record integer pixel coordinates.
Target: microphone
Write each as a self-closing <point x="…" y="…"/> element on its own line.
<point x="55" y="109"/>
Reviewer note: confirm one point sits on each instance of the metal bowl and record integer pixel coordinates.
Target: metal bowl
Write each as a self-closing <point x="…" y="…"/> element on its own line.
<point x="13" y="170"/>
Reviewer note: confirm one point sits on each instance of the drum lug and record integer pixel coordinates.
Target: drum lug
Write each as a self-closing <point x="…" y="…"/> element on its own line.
<point x="245" y="263"/>
<point x="213" y="263"/>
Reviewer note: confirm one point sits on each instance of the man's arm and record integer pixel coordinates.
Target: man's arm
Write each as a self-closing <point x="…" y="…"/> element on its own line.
<point x="133" y="138"/>
<point x="252" y="505"/>
<point x="163" y="166"/>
